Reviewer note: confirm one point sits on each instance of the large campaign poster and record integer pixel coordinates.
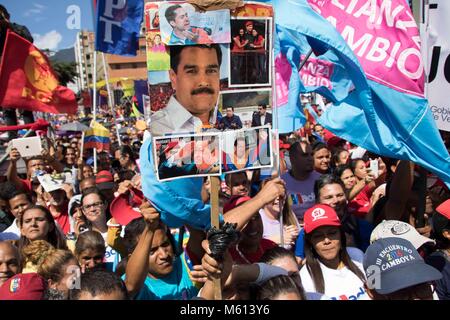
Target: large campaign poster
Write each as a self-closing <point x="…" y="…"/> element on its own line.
<point x="436" y="42"/>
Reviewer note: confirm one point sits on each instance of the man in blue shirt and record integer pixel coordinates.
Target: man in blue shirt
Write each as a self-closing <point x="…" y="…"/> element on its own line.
<point x="230" y="121"/>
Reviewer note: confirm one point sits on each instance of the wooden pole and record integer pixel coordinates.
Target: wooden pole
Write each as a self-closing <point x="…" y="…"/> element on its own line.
<point x="215" y="185"/>
<point x="110" y="98"/>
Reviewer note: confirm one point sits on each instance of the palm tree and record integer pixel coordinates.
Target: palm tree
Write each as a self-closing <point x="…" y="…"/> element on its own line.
<point x="66" y="72"/>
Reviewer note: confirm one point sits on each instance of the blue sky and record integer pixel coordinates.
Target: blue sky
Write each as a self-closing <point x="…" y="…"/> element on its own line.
<point x="47" y="20"/>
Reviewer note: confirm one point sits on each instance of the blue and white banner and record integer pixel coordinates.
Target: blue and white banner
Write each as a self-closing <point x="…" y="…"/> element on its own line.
<point x="118" y="26"/>
<point x="377" y="89"/>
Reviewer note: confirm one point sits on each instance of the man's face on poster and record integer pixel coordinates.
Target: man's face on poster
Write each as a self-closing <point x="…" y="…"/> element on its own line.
<point x="229" y="112"/>
<point x="240" y="148"/>
<point x="197" y="80"/>
<point x="249" y="28"/>
<point x="198" y="152"/>
<point x="181" y="21"/>
<point x="263" y="135"/>
<point x="261" y="110"/>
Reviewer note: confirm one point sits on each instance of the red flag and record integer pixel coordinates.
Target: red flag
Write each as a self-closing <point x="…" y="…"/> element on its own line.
<point x="28" y="82"/>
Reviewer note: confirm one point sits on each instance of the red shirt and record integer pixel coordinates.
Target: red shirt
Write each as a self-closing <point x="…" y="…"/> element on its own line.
<point x="26" y="185"/>
<point x="63" y="220"/>
<point x="360" y="205"/>
<point x="240" y="258"/>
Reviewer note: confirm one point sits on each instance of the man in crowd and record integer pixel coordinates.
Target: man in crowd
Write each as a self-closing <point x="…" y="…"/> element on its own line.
<point x="230" y="121"/>
<point x="261" y="117"/>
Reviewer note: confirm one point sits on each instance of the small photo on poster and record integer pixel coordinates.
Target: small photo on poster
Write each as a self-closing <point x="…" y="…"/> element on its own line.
<point x="151" y="16"/>
<point x="184" y="156"/>
<point x="247" y="149"/>
<point x="158" y="57"/>
<point x="251" y="106"/>
<point x="250" y="53"/>
<point x="180" y="24"/>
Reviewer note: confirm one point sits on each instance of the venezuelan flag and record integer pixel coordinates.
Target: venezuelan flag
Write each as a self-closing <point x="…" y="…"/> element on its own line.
<point x="97" y="137"/>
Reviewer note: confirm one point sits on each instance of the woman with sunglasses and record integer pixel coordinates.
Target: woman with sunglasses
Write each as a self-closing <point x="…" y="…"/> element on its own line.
<point x="93" y="206"/>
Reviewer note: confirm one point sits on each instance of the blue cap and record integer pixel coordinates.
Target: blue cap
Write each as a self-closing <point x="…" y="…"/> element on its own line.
<point x="399" y="265"/>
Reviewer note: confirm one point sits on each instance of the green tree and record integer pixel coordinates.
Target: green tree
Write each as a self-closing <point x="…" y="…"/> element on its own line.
<point x="66" y="72"/>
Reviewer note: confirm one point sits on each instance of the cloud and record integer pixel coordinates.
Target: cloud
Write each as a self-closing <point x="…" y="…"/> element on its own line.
<point x="50" y="40"/>
<point x="35" y="10"/>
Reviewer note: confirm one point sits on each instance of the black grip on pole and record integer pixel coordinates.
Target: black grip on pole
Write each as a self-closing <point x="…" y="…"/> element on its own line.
<point x="220" y="239"/>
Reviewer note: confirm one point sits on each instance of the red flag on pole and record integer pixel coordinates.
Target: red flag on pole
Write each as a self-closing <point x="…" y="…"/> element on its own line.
<point x="28" y="82"/>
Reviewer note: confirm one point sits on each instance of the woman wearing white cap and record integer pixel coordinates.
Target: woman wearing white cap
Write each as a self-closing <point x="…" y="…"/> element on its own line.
<point x="329" y="268"/>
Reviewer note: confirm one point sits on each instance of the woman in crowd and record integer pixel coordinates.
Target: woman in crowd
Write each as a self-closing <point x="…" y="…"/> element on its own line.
<point x="321" y="156"/>
<point x="340" y="157"/>
<point x="270" y="215"/>
<point x="94" y="206"/>
<point x="37" y="223"/>
<point x="280" y="288"/>
<point x="59" y="268"/>
<point x="329" y="268"/>
<point x="90" y="250"/>
<point x="366" y="182"/>
<point x="127" y="159"/>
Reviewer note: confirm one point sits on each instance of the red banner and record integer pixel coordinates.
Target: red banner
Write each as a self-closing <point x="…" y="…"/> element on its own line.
<point x="28" y="82"/>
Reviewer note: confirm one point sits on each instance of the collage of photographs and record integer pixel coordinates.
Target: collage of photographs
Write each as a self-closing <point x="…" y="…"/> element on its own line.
<point x="244" y="97"/>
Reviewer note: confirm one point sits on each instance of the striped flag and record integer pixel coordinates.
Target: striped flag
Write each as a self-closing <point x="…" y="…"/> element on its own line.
<point x="97" y="137"/>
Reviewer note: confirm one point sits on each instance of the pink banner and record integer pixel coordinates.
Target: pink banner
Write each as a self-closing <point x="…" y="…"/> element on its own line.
<point x="384" y="37"/>
<point x="283" y="73"/>
<point x="317" y="73"/>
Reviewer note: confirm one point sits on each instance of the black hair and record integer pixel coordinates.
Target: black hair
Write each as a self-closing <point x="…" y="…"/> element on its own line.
<point x="90" y="240"/>
<point x="324" y="180"/>
<point x="264" y="106"/>
<point x="126" y="175"/>
<point x="230" y="107"/>
<point x="241" y="137"/>
<point x="8" y="190"/>
<point x="335" y="156"/>
<point x="318" y="145"/>
<point x="229" y="178"/>
<point x="127" y="150"/>
<point x="313" y="266"/>
<point x="278" y="285"/>
<point x="54" y="236"/>
<point x="296" y="149"/>
<point x="276" y="253"/>
<point x="92" y="190"/>
<point x="439" y="224"/>
<point x="97" y="282"/>
<point x="175" y="54"/>
<point x="135" y="228"/>
<point x="340" y="170"/>
<point x="354" y="162"/>
<point x="170" y="13"/>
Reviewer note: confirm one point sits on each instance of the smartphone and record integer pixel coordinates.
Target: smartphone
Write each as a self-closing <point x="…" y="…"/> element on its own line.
<point x="374" y="168"/>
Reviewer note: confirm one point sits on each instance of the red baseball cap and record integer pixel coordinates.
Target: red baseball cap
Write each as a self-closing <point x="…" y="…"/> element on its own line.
<point x="124" y="208"/>
<point x="444" y="209"/>
<point x="104" y="176"/>
<point x="318" y="216"/>
<point x="23" y="286"/>
<point x="234" y="202"/>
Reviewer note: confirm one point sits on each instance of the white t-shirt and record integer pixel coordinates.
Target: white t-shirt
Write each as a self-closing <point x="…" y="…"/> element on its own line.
<point x="340" y="284"/>
<point x="11" y="233"/>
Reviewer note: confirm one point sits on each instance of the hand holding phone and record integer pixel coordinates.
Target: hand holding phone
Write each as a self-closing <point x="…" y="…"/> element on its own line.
<point x="374" y="168"/>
